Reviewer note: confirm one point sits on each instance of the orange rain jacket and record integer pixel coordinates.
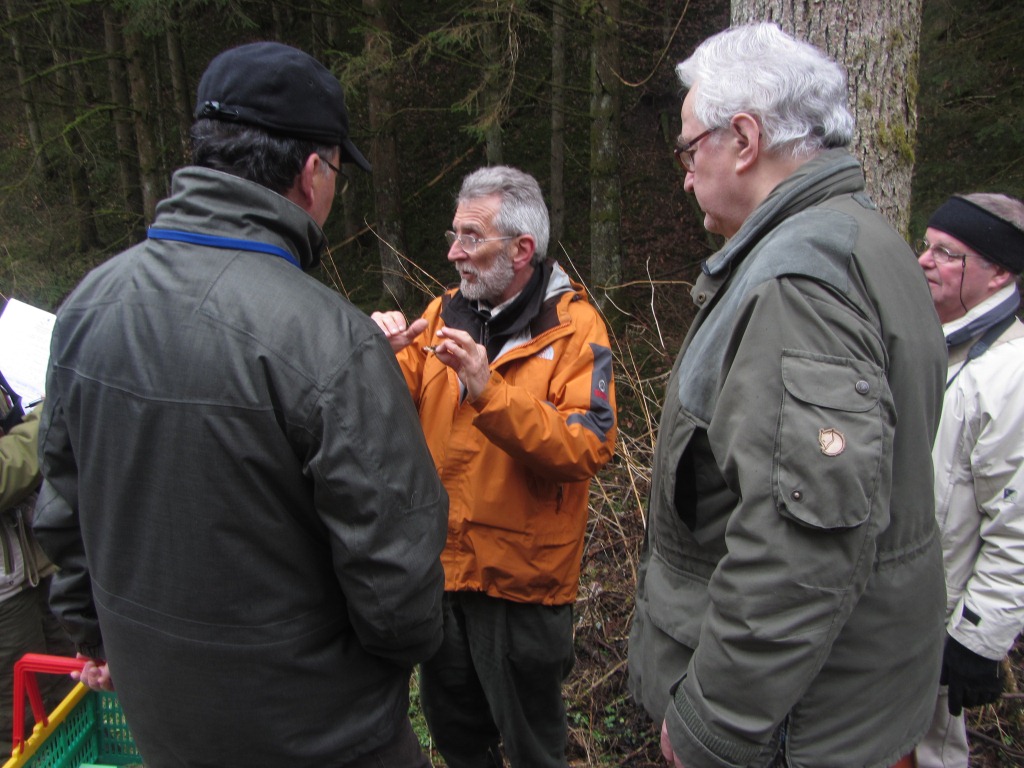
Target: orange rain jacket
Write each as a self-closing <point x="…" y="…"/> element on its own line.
<point x="517" y="462"/>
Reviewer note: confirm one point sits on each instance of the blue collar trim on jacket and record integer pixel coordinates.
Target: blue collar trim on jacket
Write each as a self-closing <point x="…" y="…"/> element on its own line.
<point x="215" y="241"/>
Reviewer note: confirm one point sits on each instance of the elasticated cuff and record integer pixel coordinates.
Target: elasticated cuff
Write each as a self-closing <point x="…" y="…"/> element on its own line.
<point x="696" y="746"/>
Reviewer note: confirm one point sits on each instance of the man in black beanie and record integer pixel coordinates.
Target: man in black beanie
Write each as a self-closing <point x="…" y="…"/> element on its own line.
<point x="239" y="535"/>
<point x="972" y="253"/>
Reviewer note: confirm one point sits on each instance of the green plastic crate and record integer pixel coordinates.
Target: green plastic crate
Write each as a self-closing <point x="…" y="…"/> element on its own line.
<point x="87" y="728"/>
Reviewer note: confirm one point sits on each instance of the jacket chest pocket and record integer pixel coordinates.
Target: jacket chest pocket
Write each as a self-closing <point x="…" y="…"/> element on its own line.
<point x="833" y="438"/>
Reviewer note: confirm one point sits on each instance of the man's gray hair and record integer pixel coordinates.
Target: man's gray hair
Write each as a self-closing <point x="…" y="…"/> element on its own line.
<point x="797" y="93"/>
<point x="523" y="210"/>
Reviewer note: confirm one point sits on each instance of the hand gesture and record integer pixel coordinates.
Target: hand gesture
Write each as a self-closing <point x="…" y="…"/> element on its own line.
<point x="467" y="358"/>
<point x="399" y="333"/>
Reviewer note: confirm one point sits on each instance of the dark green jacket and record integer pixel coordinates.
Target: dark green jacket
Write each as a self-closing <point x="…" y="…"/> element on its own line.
<point x="238" y="492"/>
<point x="792" y="571"/>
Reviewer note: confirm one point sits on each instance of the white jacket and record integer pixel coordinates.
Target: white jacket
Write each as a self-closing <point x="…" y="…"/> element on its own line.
<point x="979" y="489"/>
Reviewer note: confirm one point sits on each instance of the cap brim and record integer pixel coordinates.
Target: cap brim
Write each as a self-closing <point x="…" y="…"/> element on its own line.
<point x="350" y="154"/>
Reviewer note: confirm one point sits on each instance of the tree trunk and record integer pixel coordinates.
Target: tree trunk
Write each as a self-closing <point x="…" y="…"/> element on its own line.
<point x="877" y="43"/>
<point x="493" y="91"/>
<point x="279" y="20"/>
<point x="127" y="153"/>
<point x="35" y="134"/>
<point x="140" y="90"/>
<point x="330" y="31"/>
<point x="605" y="192"/>
<point x="161" y="109"/>
<point x="384" y="152"/>
<point x="351" y="222"/>
<point x="86" y="235"/>
<point x="556" y="197"/>
<point x="182" y="92"/>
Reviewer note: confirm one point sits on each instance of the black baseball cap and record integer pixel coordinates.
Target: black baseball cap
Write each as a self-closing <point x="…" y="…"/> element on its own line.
<point x="280" y="89"/>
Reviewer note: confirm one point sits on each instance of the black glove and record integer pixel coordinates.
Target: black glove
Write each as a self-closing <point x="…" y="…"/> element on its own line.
<point x="973" y="680"/>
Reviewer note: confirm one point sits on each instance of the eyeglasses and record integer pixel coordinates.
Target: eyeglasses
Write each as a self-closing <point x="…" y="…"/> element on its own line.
<point x="684" y="154"/>
<point x="342" y="177"/>
<point x="470" y="242"/>
<point x="939" y="253"/>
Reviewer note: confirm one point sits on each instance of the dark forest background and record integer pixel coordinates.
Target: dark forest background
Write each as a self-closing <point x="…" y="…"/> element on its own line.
<point x="95" y="103"/>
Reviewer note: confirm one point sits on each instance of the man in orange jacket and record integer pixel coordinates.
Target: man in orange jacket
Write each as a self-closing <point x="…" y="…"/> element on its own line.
<point x="512" y="376"/>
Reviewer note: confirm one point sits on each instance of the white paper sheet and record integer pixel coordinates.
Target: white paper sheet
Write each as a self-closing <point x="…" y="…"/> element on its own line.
<point x="25" y="349"/>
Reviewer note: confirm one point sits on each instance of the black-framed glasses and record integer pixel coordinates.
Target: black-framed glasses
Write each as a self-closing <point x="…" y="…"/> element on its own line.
<point x="939" y="253"/>
<point x="470" y="242"/>
<point x="342" y="176"/>
<point x="684" y="154"/>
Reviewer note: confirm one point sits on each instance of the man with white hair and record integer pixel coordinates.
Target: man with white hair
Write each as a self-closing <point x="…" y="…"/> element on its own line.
<point x="971" y="254"/>
<point x="789" y="601"/>
<point x="511" y="373"/>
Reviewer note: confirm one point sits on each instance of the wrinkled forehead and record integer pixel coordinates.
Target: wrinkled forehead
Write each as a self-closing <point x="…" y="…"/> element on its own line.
<point x="476" y="213"/>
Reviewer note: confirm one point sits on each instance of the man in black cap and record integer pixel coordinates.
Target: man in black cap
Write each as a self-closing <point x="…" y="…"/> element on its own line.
<point x="972" y="253"/>
<point x="239" y="535"/>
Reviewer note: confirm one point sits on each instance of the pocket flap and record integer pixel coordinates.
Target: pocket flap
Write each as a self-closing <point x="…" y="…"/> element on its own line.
<point x="831" y="382"/>
<point x="676" y="601"/>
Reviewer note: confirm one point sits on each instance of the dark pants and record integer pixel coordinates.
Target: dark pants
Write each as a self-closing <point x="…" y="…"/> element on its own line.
<point x="403" y="752"/>
<point x="28" y="626"/>
<point x="497" y="682"/>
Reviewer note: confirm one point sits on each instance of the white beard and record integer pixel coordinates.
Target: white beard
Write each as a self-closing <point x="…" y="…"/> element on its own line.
<point x="491" y="283"/>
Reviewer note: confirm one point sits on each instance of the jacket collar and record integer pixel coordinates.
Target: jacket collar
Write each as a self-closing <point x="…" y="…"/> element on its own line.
<point x="205" y="201"/>
<point x="530" y="313"/>
<point x="830" y="173"/>
<point x="996" y="307"/>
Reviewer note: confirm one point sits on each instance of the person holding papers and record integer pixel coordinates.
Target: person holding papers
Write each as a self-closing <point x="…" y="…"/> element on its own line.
<point x="26" y="623"/>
